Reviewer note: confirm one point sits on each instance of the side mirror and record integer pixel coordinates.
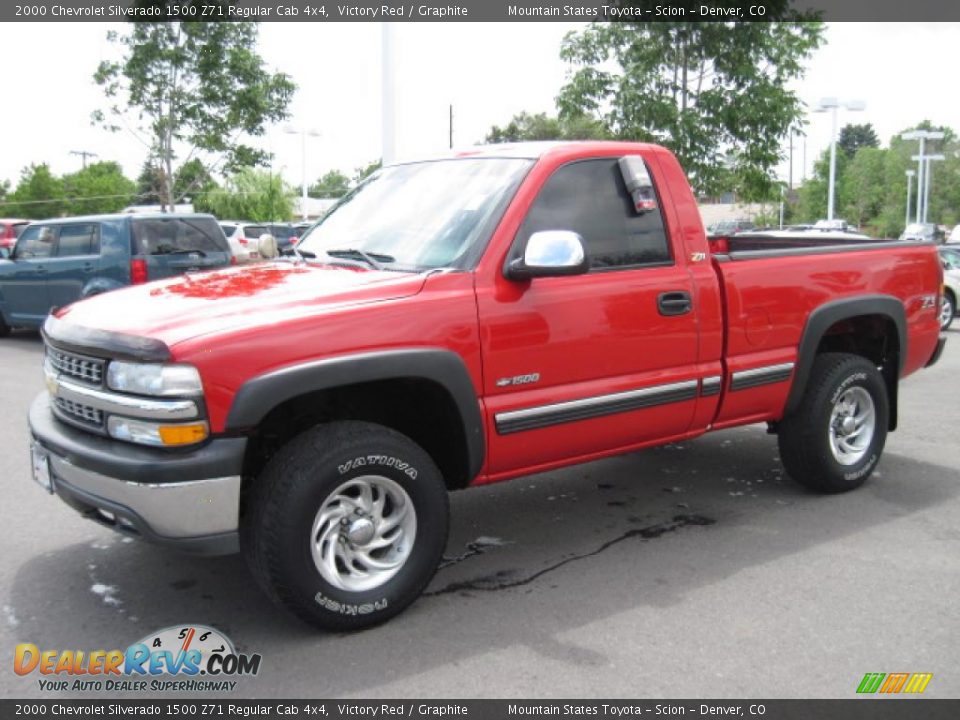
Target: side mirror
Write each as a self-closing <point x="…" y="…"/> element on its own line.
<point x="550" y="253"/>
<point x="267" y="246"/>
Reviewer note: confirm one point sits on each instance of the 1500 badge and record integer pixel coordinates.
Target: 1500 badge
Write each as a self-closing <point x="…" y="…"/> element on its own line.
<point x="518" y="380"/>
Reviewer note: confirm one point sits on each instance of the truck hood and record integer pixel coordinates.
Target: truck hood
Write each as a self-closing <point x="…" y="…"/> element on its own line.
<point x="237" y="298"/>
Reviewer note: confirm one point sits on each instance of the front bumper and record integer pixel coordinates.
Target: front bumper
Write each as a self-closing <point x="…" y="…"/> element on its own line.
<point x="186" y="499"/>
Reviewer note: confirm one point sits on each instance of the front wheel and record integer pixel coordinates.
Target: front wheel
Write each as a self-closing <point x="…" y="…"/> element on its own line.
<point x="4" y="328"/>
<point x="948" y="308"/>
<point x="834" y="439"/>
<point x="346" y="525"/>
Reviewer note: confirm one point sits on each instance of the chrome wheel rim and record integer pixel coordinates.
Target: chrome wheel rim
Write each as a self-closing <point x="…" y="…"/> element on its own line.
<point x="946" y="312"/>
<point x="363" y="533"/>
<point x="853" y="421"/>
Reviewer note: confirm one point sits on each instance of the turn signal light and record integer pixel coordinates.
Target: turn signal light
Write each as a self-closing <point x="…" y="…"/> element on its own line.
<point x="182" y="434"/>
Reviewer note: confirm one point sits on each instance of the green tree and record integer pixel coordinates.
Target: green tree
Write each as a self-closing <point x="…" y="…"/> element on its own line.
<point x="192" y="87"/>
<point x="706" y="90"/>
<point x="864" y="187"/>
<point x="541" y="126"/>
<point x="333" y="184"/>
<point x="149" y="183"/>
<point x="854" y="137"/>
<point x="362" y="173"/>
<point x="39" y="194"/>
<point x="192" y="180"/>
<point x="252" y="195"/>
<point x="99" y="188"/>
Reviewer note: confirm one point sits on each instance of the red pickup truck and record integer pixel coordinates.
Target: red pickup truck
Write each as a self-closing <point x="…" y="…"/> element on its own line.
<point x="456" y="322"/>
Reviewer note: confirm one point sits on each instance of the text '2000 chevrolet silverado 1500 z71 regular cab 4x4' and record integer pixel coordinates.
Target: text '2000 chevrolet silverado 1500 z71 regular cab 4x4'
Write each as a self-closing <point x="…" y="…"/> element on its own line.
<point x="457" y="322"/>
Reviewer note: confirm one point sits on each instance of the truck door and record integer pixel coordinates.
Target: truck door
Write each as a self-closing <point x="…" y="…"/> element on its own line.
<point x="74" y="263"/>
<point x="582" y="365"/>
<point x="25" y="284"/>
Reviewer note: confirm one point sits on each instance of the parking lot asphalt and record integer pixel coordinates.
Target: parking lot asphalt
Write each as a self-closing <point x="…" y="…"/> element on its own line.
<point x="696" y="570"/>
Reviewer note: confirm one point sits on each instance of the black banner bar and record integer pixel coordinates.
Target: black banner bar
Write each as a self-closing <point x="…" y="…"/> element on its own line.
<point x="473" y="10"/>
<point x="855" y="709"/>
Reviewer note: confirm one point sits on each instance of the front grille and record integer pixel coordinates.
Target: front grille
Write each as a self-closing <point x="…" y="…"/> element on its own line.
<point x="87" y="370"/>
<point x="78" y="412"/>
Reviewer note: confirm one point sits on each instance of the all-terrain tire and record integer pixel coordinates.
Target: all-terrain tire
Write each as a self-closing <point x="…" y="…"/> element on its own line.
<point x="308" y="505"/>
<point x="822" y="444"/>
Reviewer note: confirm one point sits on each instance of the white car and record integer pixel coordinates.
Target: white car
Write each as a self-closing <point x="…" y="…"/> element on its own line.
<point x="951" y="285"/>
<point x="243" y="237"/>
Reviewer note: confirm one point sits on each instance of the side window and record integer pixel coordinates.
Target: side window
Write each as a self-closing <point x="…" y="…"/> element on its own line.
<point x="35" y="242"/>
<point x="78" y="240"/>
<point x="589" y="197"/>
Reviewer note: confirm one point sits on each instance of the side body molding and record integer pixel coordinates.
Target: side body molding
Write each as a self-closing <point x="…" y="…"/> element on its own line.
<point x="261" y="394"/>
<point x="825" y="316"/>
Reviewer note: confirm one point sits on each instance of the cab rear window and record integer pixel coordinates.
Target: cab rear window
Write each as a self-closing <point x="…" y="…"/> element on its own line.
<point x="166" y="236"/>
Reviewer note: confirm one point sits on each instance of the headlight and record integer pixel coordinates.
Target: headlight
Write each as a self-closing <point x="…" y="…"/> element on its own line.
<point x="162" y="380"/>
<point x="160" y="435"/>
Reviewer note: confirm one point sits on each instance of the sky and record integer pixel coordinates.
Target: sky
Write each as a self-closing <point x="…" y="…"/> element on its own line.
<point x="487" y="71"/>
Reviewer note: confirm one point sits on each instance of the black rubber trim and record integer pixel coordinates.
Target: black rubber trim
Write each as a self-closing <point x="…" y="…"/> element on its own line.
<point x="220" y="457"/>
<point x="613" y="407"/>
<point x="103" y="343"/>
<point x="937" y="351"/>
<point x="767" y="378"/>
<point x="87" y="505"/>
<point x="823" y="317"/>
<point x="708" y="389"/>
<point x="259" y="395"/>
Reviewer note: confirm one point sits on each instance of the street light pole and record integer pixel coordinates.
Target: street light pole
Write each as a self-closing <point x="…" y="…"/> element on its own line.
<point x="303" y="132"/>
<point x="831" y="104"/>
<point x="910" y="174"/>
<point x="922" y="182"/>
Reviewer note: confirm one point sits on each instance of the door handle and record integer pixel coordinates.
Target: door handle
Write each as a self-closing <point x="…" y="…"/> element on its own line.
<point x="677" y="302"/>
<point x="88" y="267"/>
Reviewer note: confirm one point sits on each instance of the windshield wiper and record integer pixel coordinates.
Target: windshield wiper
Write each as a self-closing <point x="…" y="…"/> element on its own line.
<point x="304" y="253"/>
<point x="185" y="251"/>
<point x="372" y="259"/>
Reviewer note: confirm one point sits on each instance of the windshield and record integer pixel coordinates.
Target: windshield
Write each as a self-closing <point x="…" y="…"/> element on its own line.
<point x="418" y="216"/>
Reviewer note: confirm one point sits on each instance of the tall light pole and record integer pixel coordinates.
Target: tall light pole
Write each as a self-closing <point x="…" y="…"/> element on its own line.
<point x="910" y="174"/>
<point x="922" y="136"/>
<point x="290" y="130"/>
<point x="831" y="105"/>
<point x="928" y="161"/>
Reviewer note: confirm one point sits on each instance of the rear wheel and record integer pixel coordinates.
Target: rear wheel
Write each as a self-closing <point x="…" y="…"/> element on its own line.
<point x="4" y="328"/>
<point x="833" y="441"/>
<point x="948" y="308"/>
<point x="346" y="525"/>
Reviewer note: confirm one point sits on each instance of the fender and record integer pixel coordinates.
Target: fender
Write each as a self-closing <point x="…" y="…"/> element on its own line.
<point x="261" y="394"/>
<point x="825" y="316"/>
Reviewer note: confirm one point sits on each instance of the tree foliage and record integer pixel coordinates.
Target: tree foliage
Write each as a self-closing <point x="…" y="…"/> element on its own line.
<point x="192" y="87"/>
<point x="540" y="126"/>
<point x="333" y="184"/>
<point x="717" y="94"/>
<point x="362" y="173"/>
<point x="854" y="137"/>
<point x="99" y="188"/>
<point x="39" y="194"/>
<point x="871" y="185"/>
<point x="250" y="195"/>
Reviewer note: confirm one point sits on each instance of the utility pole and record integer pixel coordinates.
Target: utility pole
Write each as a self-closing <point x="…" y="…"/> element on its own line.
<point x="84" y="154"/>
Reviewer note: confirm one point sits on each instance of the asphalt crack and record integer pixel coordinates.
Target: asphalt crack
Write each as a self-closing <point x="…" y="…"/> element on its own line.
<point x="500" y="580"/>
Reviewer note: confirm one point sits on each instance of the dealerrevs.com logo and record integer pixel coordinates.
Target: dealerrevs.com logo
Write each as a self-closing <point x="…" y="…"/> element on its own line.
<point x="181" y="658"/>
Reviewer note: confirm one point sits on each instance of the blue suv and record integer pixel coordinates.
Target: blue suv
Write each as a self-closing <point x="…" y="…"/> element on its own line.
<point x="56" y="262"/>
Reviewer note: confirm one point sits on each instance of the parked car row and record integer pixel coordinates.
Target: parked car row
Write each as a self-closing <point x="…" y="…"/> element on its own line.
<point x="951" y="285"/>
